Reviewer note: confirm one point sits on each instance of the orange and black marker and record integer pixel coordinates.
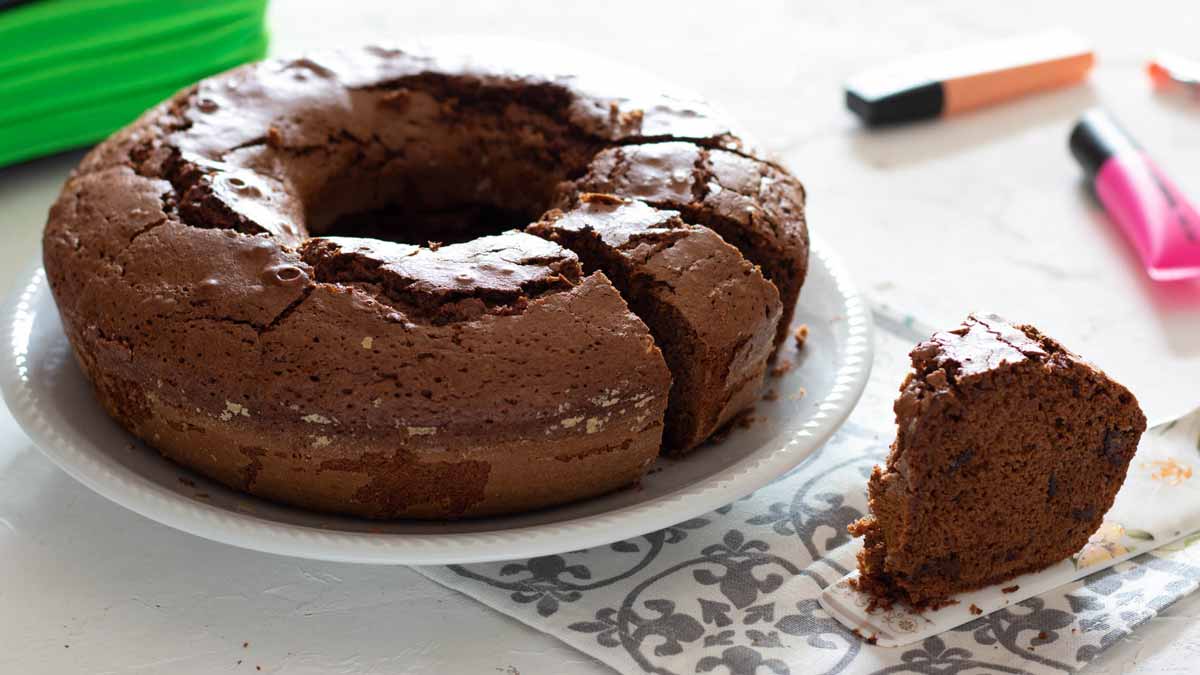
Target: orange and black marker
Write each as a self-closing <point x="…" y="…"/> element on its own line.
<point x="1171" y="71"/>
<point x="935" y="85"/>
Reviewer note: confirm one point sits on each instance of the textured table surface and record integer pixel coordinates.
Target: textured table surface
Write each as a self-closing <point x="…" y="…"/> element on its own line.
<point x="986" y="211"/>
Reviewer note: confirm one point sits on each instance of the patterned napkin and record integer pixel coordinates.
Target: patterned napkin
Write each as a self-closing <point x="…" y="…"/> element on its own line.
<point x="735" y="591"/>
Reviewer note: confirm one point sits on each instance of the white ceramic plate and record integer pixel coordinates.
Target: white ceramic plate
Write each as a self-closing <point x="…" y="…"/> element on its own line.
<point x="50" y="398"/>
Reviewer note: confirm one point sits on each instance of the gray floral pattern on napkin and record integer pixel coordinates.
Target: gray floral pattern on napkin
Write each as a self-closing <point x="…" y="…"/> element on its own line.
<point x="734" y="592"/>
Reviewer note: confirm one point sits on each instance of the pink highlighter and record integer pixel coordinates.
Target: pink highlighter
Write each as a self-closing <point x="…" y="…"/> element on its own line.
<point x="1151" y="211"/>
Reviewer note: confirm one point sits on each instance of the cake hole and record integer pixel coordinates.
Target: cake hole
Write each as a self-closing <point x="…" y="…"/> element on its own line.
<point x="416" y="226"/>
<point x="449" y="161"/>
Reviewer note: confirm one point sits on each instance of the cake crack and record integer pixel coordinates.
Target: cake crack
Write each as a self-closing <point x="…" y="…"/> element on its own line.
<point x="391" y="274"/>
<point x="287" y="311"/>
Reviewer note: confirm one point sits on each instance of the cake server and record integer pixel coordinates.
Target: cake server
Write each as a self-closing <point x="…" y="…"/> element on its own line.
<point x="1162" y="472"/>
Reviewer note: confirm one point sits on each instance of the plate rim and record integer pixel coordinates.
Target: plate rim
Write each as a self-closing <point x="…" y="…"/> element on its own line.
<point x="151" y="500"/>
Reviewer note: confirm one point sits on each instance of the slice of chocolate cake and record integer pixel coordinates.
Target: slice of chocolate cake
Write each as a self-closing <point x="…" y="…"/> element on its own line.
<point x="709" y="309"/>
<point x="754" y="206"/>
<point x="1009" y="451"/>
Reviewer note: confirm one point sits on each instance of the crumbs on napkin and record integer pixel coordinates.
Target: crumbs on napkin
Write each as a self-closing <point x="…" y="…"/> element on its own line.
<point x="801" y="335"/>
<point x="782" y="368"/>
<point x="869" y="640"/>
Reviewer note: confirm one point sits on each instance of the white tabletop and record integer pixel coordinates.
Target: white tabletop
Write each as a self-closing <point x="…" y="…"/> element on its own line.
<point x="986" y="211"/>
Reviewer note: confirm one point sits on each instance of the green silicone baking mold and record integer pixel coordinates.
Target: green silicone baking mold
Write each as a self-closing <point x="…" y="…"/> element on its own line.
<point x="73" y="71"/>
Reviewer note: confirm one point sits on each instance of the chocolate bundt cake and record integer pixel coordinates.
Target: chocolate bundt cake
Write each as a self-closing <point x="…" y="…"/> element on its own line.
<point x="311" y="280"/>
<point x="1009" y="451"/>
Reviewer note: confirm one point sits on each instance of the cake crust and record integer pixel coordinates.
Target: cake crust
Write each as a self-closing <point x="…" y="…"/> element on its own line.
<point x="1009" y="451"/>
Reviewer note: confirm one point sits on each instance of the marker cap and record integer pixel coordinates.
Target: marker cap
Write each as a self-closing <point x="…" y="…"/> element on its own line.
<point x="1096" y="137"/>
<point x="896" y="105"/>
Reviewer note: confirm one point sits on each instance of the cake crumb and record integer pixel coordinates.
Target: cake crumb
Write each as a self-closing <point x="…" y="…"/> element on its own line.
<point x="869" y="640"/>
<point x="1010" y="589"/>
<point x="245" y="644"/>
<point x="800" y="393"/>
<point x="187" y="481"/>
<point x="434" y="245"/>
<point x="233" y="410"/>
<point x="368" y="342"/>
<point x="975" y="610"/>
<point x="935" y="605"/>
<point x="782" y="368"/>
<point x="801" y="335"/>
<point x="771" y="395"/>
